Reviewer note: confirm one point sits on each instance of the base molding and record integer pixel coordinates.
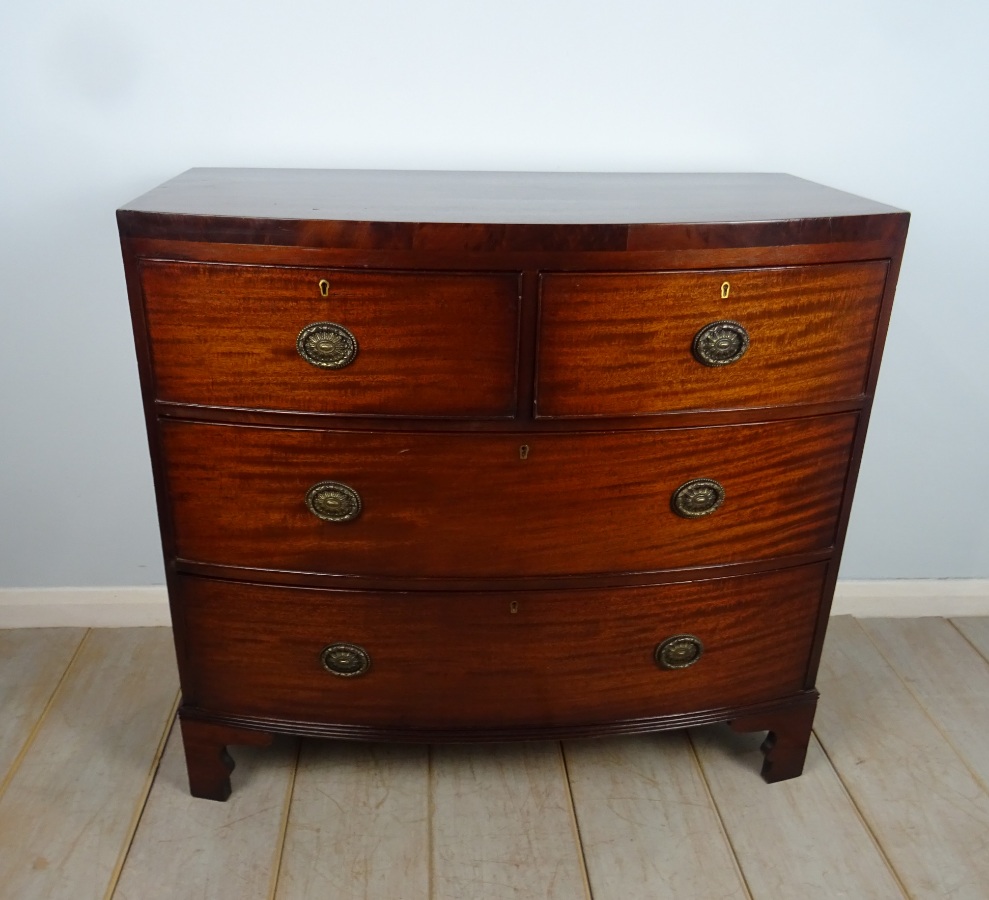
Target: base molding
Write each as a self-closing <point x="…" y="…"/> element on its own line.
<point x="128" y="607"/>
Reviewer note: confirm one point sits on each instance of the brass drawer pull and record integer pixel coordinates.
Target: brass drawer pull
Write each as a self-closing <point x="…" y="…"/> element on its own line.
<point x="720" y="343"/>
<point x="697" y="497"/>
<point x="679" y="651"/>
<point x="332" y="501"/>
<point x="327" y="345"/>
<point x="345" y="660"/>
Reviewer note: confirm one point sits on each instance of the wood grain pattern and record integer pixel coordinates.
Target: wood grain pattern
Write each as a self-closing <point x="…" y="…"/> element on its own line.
<point x="360" y="823"/>
<point x="67" y="814"/>
<point x="225" y="335"/>
<point x="32" y="662"/>
<point x="946" y="675"/>
<point x="926" y="809"/>
<point x="467" y="505"/>
<point x="190" y="849"/>
<point x="802" y="838"/>
<point x="648" y="827"/>
<point x="503" y="825"/>
<point x="467" y="659"/>
<point x="468" y="494"/>
<point x="620" y="344"/>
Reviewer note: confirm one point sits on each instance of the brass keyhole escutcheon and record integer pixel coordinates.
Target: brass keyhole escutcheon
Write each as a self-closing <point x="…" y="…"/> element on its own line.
<point x="524" y="451"/>
<point x="324" y="287"/>
<point x="678" y="652"/>
<point x="513" y="607"/>
<point x="725" y="288"/>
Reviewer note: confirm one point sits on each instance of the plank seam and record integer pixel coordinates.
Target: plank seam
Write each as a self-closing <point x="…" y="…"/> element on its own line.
<point x="968" y="640"/>
<point x="142" y="804"/>
<point x="575" y="822"/>
<point x="699" y="767"/>
<point x="865" y="822"/>
<point x="276" y="869"/>
<point x="29" y="741"/>
<point x="430" y="810"/>
<point x="979" y="780"/>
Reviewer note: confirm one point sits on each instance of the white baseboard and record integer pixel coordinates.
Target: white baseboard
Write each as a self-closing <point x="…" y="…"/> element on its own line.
<point x="912" y="598"/>
<point x="117" y="607"/>
<point x="126" y="607"/>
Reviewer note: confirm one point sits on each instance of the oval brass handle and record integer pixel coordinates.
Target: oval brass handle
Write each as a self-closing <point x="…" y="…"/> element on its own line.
<point x="326" y="345"/>
<point x="679" y="651"/>
<point x="332" y="501"/>
<point x="697" y="497"/>
<point x="345" y="660"/>
<point x="720" y="343"/>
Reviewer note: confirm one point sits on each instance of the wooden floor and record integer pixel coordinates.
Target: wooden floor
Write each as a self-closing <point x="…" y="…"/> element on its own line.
<point x="893" y="802"/>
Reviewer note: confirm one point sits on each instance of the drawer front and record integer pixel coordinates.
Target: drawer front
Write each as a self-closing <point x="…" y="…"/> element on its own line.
<point x="501" y="659"/>
<point x="416" y="344"/>
<point x="468" y="505"/>
<point x="623" y="344"/>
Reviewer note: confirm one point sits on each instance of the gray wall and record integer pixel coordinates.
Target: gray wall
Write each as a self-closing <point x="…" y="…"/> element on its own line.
<point x="101" y="100"/>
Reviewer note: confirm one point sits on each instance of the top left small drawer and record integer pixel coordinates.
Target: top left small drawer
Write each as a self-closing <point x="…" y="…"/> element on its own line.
<point x="349" y="342"/>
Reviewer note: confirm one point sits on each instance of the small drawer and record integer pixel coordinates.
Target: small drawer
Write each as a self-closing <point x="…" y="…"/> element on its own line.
<point x="333" y="341"/>
<point x="469" y="505"/>
<point x="648" y="343"/>
<point x="476" y="660"/>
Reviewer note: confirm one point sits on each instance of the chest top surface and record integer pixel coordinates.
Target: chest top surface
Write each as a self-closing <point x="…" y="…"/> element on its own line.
<point x="528" y="198"/>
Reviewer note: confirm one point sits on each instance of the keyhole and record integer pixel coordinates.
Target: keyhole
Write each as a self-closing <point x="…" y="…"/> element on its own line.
<point x="524" y="451"/>
<point x="324" y="287"/>
<point x="513" y="607"/>
<point x="725" y="288"/>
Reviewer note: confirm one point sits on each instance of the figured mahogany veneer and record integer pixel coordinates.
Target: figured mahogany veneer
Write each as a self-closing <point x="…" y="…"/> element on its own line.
<point x="430" y="344"/>
<point x="578" y="503"/>
<point x="490" y="660"/>
<point x="619" y="344"/>
<point x="523" y="401"/>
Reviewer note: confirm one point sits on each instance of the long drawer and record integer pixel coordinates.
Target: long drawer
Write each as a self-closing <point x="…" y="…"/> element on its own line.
<point x="498" y="659"/>
<point x="377" y="343"/>
<point x="470" y="505"/>
<point x="642" y="343"/>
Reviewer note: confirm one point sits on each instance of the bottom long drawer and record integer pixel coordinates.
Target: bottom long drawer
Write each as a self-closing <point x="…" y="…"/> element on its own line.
<point x="489" y="660"/>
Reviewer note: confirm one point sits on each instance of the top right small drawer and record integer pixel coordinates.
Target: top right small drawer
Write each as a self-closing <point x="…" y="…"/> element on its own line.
<point x="642" y="343"/>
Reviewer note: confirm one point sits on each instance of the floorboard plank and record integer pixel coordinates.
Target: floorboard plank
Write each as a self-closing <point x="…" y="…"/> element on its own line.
<point x="797" y="838"/>
<point x="976" y="631"/>
<point x="503" y="825"/>
<point x="359" y="823"/>
<point x="190" y="848"/>
<point x="648" y="826"/>
<point x="927" y="810"/>
<point x="67" y="814"/>
<point x="947" y="675"/>
<point x="32" y="662"/>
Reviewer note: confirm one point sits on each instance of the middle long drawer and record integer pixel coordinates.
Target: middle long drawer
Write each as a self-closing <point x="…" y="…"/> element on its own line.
<point x="501" y="505"/>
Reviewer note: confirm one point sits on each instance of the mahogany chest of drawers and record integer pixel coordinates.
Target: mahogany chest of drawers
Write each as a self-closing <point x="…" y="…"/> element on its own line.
<point x="492" y="456"/>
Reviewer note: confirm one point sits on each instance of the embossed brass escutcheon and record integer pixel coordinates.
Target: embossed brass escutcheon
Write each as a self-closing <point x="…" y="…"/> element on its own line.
<point x="697" y="497"/>
<point x="345" y="660"/>
<point x="324" y="287"/>
<point x="332" y="501"/>
<point x="720" y="343"/>
<point x="725" y="288"/>
<point x="327" y="345"/>
<point x="679" y="651"/>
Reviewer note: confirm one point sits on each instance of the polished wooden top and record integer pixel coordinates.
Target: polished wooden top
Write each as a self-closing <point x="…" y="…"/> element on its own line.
<point x="511" y="198"/>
